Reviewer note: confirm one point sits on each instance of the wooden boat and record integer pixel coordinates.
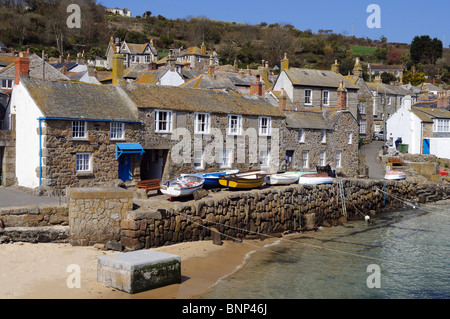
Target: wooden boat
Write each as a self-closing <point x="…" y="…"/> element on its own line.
<point x="184" y="185"/>
<point x="212" y="179"/>
<point x="282" y="178"/>
<point x="315" y="179"/>
<point x="247" y="180"/>
<point x="394" y="175"/>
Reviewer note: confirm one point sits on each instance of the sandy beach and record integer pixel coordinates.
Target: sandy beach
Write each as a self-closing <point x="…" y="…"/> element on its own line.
<point x="30" y="271"/>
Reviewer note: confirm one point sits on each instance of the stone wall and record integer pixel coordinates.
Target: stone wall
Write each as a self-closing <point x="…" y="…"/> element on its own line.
<point x="254" y="213"/>
<point x="34" y="216"/>
<point x="7" y="157"/>
<point x="95" y="214"/>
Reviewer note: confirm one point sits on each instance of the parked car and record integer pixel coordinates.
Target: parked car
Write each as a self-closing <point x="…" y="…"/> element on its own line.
<point x="378" y="136"/>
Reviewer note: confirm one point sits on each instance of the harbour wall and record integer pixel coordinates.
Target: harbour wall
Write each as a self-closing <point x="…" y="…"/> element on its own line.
<point x="274" y="210"/>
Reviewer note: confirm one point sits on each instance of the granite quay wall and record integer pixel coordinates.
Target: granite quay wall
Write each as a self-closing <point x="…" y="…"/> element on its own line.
<point x="255" y="213"/>
<point x="7" y="158"/>
<point x="95" y="214"/>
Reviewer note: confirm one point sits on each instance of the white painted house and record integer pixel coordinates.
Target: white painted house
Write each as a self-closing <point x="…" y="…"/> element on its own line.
<point x="426" y="130"/>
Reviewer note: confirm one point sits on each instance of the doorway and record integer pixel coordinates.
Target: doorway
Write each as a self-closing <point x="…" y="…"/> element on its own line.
<point x="153" y="164"/>
<point x="125" y="167"/>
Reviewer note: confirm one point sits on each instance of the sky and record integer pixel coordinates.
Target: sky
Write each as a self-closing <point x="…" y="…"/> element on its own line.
<point x="400" y="20"/>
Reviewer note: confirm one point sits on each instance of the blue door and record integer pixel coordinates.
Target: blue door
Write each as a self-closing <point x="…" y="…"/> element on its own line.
<point x="426" y="146"/>
<point x="125" y="167"/>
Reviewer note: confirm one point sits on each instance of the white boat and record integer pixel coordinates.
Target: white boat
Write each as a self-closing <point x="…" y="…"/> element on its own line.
<point x="394" y="175"/>
<point x="182" y="186"/>
<point x="282" y="178"/>
<point x="315" y="179"/>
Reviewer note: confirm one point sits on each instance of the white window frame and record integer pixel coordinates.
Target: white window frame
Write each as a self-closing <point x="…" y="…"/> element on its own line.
<point x="338" y="159"/>
<point x="441" y="125"/>
<point x="199" y="162"/>
<point x="362" y="126"/>
<point x="362" y="108"/>
<point x="349" y="137"/>
<point x="264" y="158"/>
<point x="301" y="136"/>
<point x="238" y="129"/>
<point x="326" y="98"/>
<point x="83" y="162"/>
<point x="117" y="131"/>
<point x="159" y="121"/>
<point x="305" y="159"/>
<point x="323" y="137"/>
<point x="226" y="158"/>
<point x="6" y="84"/>
<point x="310" y="97"/>
<point x="322" y="158"/>
<point x="79" y="130"/>
<point x="205" y="122"/>
<point x="264" y="129"/>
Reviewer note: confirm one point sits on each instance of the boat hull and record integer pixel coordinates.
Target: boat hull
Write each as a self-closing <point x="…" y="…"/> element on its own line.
<point x="246" y="180"/>
<point x="282" y="179"/>
<point x="182" y="186"/>
<point x="212" y="179"/>
<point x="394" y="176"/>
<point x="315" y="179"/>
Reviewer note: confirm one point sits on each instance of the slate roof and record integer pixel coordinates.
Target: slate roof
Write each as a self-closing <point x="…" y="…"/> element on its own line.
<point x="318" y="78"/>
<point x="428" y="114"/>
<point x="388" y="88"/>
<point x="69" y="65"/>
<point x="198" y="100"/>
<point x="306" y="120"/>
<point x="6" y="60"/>
<point x="385" y="67"/>
<point x="70" y="100"/>
<point x="151" y="77"/>
<point x="51" y="73"/>
<point x="204" y="81"/>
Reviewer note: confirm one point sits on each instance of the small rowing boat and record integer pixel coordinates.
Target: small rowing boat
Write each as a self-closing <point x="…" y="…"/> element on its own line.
<point x="247" y="180"/>
<point x="212" y="179"/>
<point x="182" y="186"/>
<point x="394" y="175"/>
<point x="315" y="179"/>
<point x="282" y="178"/>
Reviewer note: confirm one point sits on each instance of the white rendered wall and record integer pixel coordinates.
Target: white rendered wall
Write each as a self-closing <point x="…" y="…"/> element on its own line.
<point x="406" y="125"/>
<point x="283" y="82"/>
<point x="440" y="147"/>
<point x="27" y="137"/>
<point x="171" y="78"/>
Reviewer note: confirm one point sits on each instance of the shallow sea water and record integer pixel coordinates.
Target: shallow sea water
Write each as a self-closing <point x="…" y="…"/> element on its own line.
<point x="410" y="247"/>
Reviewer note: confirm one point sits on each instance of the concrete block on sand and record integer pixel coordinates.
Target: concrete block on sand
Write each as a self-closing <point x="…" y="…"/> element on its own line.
<point x="139" y="271"/>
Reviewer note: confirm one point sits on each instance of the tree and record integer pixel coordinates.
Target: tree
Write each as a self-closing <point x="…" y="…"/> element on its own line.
<point x="425" y="50"/>
<point x="394" y="56"/>
<point x="387" y="77"/>
<point x="415" y="78"/>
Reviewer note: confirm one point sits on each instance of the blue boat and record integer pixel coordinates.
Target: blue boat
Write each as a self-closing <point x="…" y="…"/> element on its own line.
<point x="212" y="179"/>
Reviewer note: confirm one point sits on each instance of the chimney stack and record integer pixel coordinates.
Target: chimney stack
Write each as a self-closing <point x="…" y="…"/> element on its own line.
<point x="284" y="63"/>
<point x="341" y="96"/>
<point x="357" y="69"/>
<point x="117" y="69"/>
<point x="442" y="100"/>
<point x="257" y="87"/>
<point x="407" y="102"/>
<point x="335" y="67"/>
<point x="22" y="67"/>
<point x="211" y="67"/>
<point x="282" y="100"/>
<point x="203" y="49"/>
<point x="171" y="61"/>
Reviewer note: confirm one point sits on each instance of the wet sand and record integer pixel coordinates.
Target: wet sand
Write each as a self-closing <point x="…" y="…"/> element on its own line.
<point x="40" y="270"/>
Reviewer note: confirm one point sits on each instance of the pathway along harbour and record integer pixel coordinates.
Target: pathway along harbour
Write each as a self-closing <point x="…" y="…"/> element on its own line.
<point x="410" y="247"/>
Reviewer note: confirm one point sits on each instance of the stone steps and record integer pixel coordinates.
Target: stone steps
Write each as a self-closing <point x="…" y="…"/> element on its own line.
<point x="40" y="234"/>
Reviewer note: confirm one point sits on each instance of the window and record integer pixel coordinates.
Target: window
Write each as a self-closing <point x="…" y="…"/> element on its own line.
<point x="6" y="84"/>
<point x="116" y="131"/>
<point x="362" y="108"/>
<point x="264" y="158"/>
<point x="163" y="121"/>
<point x="201" y="123"/>
<point x="349" y="137"/>
<point x="362" y="126"/>
<point x="79" y="129"/>
<point x="338" y="159"/>
<point x="305" y="159"/>
<point x="326" y="97"/>
<point x="301" y="136"/>
<point x="323" y="138"/>
<point x="83" y="162"/>
<point x="308" y="97"/>
<point x="322" y="158"/>
<point x="234" y="124"/>
<point x="199" y="162"/>
<point x="441" y="125"/>
<point x="390" y="100"/>
<point x="225" y="158"/>
<point x="264" y="125"/>
<point x="125" y="58"/>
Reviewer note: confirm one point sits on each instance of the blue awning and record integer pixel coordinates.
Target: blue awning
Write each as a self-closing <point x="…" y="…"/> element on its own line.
<point x="129" y="148"/>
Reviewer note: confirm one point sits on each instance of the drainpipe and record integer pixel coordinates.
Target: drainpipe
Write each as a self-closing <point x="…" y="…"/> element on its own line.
<point x="40" y="151"/>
